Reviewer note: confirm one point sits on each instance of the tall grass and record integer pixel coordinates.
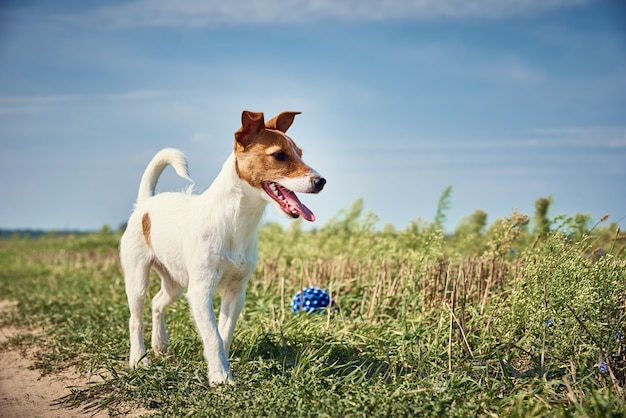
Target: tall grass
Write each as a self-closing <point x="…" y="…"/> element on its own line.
<point x="499" y="320"/>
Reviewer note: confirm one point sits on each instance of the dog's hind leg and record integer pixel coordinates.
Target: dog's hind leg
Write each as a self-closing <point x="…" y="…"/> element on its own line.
<point x="170" y="290"/>
<point x="137" y="279"/>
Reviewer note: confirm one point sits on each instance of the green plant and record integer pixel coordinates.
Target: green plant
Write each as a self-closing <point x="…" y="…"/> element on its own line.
<point x="487" y="321"/>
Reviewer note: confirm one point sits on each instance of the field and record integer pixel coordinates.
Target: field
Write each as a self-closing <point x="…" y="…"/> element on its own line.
<point x="524" y="317"/>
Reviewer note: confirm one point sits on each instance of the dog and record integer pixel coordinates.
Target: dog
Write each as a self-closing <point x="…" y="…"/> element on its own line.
<point x="207" y="242"/>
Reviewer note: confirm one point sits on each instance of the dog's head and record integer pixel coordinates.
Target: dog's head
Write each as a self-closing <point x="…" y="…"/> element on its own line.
<point x="271" y="162"/>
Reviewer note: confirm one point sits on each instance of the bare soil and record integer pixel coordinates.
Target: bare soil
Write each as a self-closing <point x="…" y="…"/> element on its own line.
<point x="25" y="392"/>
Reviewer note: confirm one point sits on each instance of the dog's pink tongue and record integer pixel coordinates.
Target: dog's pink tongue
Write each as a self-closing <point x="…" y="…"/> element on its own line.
<point x="292" y="199"/>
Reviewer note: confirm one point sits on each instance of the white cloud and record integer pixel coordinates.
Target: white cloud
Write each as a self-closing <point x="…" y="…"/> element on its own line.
<point x="134" y="95"/>
<point x="200" y="138"/>
<point x="211" y="13"/>
<point x="592" y="137"/>
<point x="518" y="72"/>
<point x="618" y="143"/>
<point x="15" y="105"/>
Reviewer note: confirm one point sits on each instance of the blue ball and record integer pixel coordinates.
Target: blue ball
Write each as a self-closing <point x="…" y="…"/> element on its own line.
<point x="311" y="299"/>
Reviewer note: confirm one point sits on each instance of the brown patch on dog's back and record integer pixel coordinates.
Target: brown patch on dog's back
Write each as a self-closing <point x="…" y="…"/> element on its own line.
<point x="145" y="227"/>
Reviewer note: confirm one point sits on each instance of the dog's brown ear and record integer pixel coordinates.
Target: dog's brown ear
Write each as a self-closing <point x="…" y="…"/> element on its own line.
<point x="282" y="121"/>
<point x="251" y="124"/>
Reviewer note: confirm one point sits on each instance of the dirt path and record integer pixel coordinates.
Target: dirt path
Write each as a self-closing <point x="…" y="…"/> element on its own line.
<point x="24" y="393"/>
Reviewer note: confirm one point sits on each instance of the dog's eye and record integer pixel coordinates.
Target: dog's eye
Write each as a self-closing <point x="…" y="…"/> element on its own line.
<point x="280" y="156"/>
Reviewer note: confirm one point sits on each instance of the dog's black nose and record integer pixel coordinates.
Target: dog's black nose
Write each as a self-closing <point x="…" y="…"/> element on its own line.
<point x="318" y="183"/>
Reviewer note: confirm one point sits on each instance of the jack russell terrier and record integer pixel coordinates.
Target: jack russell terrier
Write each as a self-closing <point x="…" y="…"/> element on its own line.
<point x="208" y="242"/>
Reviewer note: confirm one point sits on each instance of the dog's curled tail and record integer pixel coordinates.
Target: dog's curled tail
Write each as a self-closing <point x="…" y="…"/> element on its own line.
<point x="163" y="158"/>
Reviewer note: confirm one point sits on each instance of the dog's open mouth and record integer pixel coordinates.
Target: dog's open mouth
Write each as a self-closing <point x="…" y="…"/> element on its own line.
<point x="288" y="201"/>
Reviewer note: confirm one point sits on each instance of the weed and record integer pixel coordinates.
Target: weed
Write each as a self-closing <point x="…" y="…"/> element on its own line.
<point x="492" y="320"/>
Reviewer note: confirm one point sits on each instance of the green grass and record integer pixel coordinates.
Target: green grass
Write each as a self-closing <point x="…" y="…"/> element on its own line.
<point x="487" y="321"/>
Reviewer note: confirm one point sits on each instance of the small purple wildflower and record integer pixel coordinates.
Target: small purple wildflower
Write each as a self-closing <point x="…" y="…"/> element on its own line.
<point x="618" y="335"/>
<point x="602" y="367"/>
<point x="550" y="322"/>
<point x="596" y="254"/>
<point x="511" y="251"/>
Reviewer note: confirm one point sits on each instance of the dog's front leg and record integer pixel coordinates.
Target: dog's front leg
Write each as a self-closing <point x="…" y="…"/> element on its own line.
<point x="200" y="296"/>
<point x="233" y="299"/>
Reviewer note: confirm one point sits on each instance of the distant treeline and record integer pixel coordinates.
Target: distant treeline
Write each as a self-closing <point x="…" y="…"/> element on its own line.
<point x="36" y="233"/>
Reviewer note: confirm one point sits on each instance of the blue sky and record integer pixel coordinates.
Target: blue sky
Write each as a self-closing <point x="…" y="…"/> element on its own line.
<point x="504" y="101"/>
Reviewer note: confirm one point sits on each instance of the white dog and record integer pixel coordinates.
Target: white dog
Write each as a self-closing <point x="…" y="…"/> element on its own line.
<point x="208" y="242"/>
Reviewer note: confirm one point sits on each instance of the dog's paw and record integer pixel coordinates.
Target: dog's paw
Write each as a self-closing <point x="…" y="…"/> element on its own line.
<point x="219" y="377"/>
<point x="159" y="350"/>
<point x="138" y="361"/>
<point x="160" y="342"/>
